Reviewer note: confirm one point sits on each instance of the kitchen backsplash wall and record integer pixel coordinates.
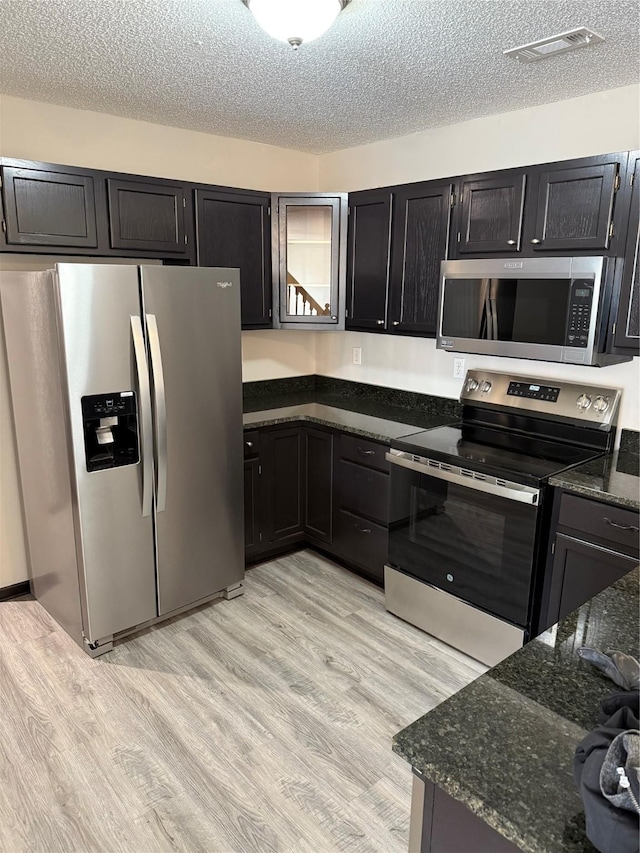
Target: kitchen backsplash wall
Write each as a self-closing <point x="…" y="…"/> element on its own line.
<point x="270" y="354"/>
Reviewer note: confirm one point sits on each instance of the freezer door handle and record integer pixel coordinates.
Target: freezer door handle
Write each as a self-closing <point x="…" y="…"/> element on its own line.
<point x="160" y="411"/>
<point x="144" y="413"/>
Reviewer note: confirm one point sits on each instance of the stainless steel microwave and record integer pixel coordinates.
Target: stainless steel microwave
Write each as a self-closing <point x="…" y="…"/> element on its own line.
<point x="549" y="309"/>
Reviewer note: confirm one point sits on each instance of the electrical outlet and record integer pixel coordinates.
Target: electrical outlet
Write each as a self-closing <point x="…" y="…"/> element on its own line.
<point x="458" y="368"/>
<point x="357" y="355"/>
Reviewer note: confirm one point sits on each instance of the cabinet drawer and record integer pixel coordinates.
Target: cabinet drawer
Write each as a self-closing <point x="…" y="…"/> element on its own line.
<point x="364" y="491"/>
<point x="251" y="443"/>
<point x="614" y="524"/>
<point x="362" y="543"/>
<point x="369" y="453"/>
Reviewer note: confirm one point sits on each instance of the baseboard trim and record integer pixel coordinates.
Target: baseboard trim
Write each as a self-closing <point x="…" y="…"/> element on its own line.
<point x="14" y="590"/>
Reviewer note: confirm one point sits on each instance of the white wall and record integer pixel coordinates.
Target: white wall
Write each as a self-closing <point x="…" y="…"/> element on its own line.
<point x="53" y="134"/>
<point x="594" y="124"/>
<point x="270" y="354"/>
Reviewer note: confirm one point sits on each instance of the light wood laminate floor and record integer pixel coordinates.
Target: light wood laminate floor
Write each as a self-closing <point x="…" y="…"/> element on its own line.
<point x="258" y="724"/>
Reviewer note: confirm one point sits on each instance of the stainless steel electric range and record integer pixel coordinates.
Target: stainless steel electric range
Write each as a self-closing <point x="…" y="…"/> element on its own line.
<point x="470" y="507"/>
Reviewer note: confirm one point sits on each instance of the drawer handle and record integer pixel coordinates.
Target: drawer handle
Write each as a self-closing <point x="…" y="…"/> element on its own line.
<point x="362" y="529"/>
<point x="366" y="452"/>
<point x="622" y="526"/>
<point x="249" y="443"/>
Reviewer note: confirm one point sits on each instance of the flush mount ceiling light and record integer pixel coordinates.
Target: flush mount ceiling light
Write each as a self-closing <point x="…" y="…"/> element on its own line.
<point x="295" y="21"/>
<point x="552" y="46"/>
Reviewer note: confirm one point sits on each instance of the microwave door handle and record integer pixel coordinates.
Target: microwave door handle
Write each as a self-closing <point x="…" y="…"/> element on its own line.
<point x="144" y="414"/>
<point x="510" y="491"/>
<point x="493" y="307"/>
<point x="160" y="412"/>
<point x="485" y="322"/>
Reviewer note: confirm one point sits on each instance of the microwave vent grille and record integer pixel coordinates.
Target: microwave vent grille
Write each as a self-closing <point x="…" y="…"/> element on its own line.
<point x="552" y="46"/>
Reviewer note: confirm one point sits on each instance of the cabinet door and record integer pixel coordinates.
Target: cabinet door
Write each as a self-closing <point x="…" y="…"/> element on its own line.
<point x="490" y="214"/>
<point x="147" y="217"/>
<point x="234" y="231"/>
<point x="628" y="322"/>
<point x="318" y="484"/>
<point x="44" y="208"/>
<point x="283" y="480"/>
<point x="252" y="519"/>
<point x="585" y="569"/>
<point x="308" y="240"/>
<point x="421" y="219"/>
<point x="574" y="206"/>
<point x="368" y="256"/>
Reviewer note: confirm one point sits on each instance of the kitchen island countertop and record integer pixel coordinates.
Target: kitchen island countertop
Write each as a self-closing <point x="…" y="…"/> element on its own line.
<point x="504" y="745"/>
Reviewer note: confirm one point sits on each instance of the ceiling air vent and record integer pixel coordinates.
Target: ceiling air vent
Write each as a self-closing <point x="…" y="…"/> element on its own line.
<point x="552" y="46"/>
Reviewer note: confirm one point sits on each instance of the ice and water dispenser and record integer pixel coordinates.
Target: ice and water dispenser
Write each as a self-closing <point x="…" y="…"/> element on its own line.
<point x="110" y="430"/>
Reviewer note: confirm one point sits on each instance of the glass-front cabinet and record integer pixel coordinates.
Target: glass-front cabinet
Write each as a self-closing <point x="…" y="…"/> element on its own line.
<point x="309" y="260"/>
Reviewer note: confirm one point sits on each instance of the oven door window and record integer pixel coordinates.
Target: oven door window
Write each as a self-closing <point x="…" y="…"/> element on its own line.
<point x="477" y="546"/>
<point x="526" y="310"/>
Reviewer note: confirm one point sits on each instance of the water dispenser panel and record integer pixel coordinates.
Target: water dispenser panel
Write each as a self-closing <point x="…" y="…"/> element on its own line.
<point x="110" y="424"/>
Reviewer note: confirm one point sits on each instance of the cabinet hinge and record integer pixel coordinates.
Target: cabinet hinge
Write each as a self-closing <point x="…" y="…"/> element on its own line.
<point x="458" y="236"/>
<point x="452" y="200"/>
<point x="269" y="211"/>
<point x="553" y="548"/>
<point x="611" y="230"/>
<point x="616" y="185"/>
<point x="631" y="179"/>
<point x="259" y="537"/>
<point x="184" y="202"/>
<point x="346" y="312"/>
<point x="186" y="239"/>
<point x="4" y="226"/>
<point x="270" y="313"/>
<point x="259" y="469"/>
<point x="613" y="330"/>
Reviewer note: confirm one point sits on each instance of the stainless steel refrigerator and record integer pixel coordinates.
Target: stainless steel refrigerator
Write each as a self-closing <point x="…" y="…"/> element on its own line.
<point x="127" y="397"/>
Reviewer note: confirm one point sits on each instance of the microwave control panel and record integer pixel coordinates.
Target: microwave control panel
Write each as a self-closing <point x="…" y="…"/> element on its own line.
<point x="579" y="312"/>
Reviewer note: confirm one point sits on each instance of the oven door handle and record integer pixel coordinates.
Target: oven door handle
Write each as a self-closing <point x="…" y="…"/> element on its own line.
<point x="491" y="485"/>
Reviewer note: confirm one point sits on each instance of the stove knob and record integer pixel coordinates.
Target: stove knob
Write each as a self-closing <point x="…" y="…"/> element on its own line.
<point x="485" y="387"/>
<point x="472" y="385"/>
<point x="601" y="404"/>
<point x="583" y="402"/>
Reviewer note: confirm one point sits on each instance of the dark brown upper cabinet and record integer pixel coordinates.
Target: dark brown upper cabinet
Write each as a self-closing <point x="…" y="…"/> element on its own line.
<point x="490" y="213"/>
<point x="421" y="217"/>
<point x="627" y="332"/>
<point x="574" y="206"/>
<point x="234" y="230"/>
<point x="48" y="208"/>
<point x="148" y="217"/>
<point x="368" y="259"/>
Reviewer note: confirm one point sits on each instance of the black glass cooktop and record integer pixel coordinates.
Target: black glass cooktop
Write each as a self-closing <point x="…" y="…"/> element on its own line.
<point x="495" y="452"/>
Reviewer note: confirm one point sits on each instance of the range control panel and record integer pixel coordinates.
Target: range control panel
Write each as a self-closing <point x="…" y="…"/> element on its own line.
<point x="533" y="391"/>
<point x="593" y="405"/>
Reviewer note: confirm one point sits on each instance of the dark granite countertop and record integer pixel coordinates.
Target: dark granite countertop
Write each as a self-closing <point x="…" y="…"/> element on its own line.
<point x="366" y="410"/>
<point x="614" y="478"/>
<point x="504" y="745"/>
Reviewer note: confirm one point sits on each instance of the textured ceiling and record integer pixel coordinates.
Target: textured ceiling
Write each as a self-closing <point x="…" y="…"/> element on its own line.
<point x="385" y="69"/>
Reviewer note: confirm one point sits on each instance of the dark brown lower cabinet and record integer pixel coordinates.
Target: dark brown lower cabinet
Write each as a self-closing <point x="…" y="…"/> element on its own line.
<point x="252" y="533"/>
<point x="441" y="824"/>
<point x="303" y="485"/>
<point x="318" y="487"/>
<point x="593" y="544"/>
<point x="282" y="460"/>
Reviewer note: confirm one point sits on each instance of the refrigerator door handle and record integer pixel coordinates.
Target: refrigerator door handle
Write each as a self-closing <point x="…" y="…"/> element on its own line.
<point x="146" y="424"/>
<point x="160" y="409"/>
